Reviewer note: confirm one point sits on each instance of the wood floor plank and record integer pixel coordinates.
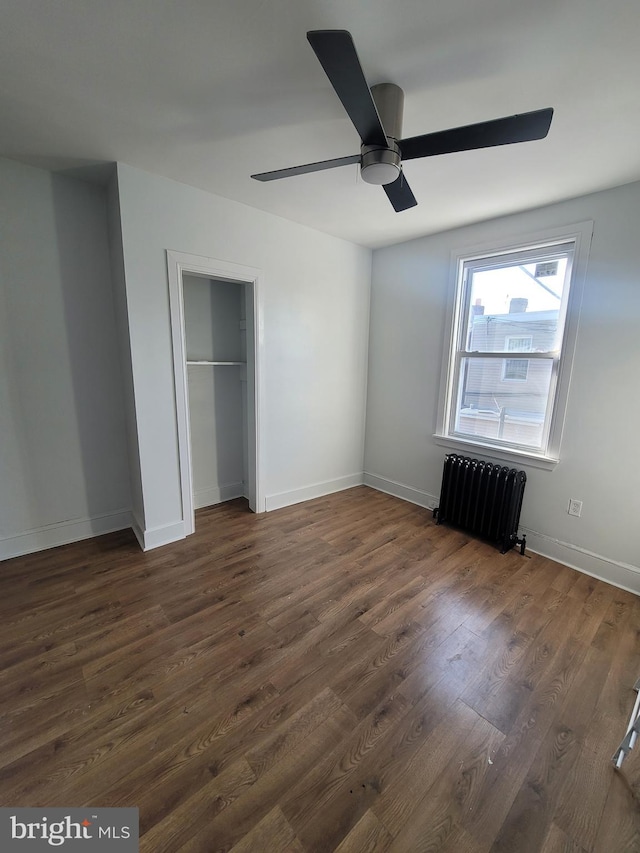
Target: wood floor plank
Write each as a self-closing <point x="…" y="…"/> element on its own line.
<point x="339" y="675"/>
<point x="167" y="777"/>
<point x="367" y="836"/>
<point x="322" y="807"/>
<point x="435" y="821"/>
<point x="299" y="737"/>
<point x="394" y="603"/>
<point x="41" y="673"/>
<point x="356" y="785"/>
<point x="397" y="802"/>
<point x="272" y="833"/>
<point x="379" y="674"/>
<point x="557" y="841"/>
<point x="201" y="808"/>
<point x="619" y="827"/>
<point x="584" y="794"/>
<point x="208" y="744"/>
<point x="485" y="692"/>
<point x="231" y="825"/>
<point x="531" y="814"/>
<point x="534" y="808"/>
<point x="513" y="759"/>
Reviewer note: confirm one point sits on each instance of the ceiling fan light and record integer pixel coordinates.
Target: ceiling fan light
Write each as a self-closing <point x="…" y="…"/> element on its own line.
<point x="380" y="165"/>
<point x="380" y="173"/>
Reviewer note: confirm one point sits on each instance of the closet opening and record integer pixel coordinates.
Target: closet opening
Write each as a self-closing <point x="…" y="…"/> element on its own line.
<point x="215" y="324"/>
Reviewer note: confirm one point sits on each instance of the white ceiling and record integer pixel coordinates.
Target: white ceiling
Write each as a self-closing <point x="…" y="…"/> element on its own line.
<point x="209" y="91"/>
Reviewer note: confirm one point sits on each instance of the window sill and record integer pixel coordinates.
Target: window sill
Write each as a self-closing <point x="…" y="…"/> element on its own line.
<point x="499" y="454"/>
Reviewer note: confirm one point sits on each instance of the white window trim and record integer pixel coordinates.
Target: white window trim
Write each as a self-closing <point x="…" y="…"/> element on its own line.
<point x="579" y="233"/>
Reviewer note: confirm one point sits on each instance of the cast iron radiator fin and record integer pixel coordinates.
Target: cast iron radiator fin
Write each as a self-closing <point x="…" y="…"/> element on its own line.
<point x="483" y="498"/>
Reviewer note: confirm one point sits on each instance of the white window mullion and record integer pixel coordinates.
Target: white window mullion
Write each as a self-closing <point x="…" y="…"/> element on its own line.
<point x="553" y="354"/>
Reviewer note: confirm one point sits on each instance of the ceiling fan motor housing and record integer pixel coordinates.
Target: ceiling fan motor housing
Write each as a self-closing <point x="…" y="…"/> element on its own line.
<point x="382" y="165"/>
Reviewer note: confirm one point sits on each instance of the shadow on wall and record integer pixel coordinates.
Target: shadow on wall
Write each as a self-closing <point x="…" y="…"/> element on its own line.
<point x="92" y="414"/>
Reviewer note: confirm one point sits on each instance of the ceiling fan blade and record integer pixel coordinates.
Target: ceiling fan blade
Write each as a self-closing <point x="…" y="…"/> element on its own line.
<point x="399" y="194"/>
<point x="308" y="167"/>
<point x="486" y="134"/>
<point x="337" y="54"/>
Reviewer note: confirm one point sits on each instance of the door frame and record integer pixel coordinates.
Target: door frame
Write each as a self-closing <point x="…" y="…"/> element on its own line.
<point x="179" y="264"/>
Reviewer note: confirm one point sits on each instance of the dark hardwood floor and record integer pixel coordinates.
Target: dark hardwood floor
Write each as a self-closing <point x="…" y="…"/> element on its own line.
<point x="338" y="675"/>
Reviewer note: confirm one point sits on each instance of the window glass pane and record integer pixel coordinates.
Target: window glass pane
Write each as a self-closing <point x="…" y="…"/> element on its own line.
<point x="509" y="409"/>
<point x="515" y="369"/>
<point x="521" y="344"/>
<point x="519" y="301"/>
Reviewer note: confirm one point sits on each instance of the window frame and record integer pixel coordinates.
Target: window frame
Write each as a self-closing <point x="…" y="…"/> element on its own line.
<point x="580" y="235"/>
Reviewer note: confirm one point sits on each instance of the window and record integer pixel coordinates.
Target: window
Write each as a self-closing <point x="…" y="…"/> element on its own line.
<point x="521" y="302"/>
<point x="514" y="369"/>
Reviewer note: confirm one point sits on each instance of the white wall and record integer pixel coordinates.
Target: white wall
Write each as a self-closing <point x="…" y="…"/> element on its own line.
<point x="212" y="311"/>
<point x="122" y="323"/>
<point x="600" y="446"/>
<point x="63" y="468"/>
<point x="316" y="309"/>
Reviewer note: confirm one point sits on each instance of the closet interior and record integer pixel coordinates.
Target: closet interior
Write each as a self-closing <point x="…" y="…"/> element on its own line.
<point x="215" y="317"/>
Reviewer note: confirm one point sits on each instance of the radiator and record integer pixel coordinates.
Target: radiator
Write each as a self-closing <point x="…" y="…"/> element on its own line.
<point x="483" y="498"/>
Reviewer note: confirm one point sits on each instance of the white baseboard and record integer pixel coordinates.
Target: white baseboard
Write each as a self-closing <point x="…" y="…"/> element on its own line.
<point x="308" y="493"/>
<point x="399" y="490"/>
<point x="155" y="537"/>
<point x="138" y="529"/>
<point x="63" y="533"/>
<point x="611" y="571"/>
<point x="218" y="495"/>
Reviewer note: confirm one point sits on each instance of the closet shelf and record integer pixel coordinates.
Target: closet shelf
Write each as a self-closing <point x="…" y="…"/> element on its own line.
<point x="217" y="363"/>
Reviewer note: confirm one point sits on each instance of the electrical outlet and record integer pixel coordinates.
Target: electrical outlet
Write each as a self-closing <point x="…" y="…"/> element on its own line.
<point x="575" y="507"/>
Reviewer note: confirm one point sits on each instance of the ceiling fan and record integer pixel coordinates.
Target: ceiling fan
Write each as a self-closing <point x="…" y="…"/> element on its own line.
<point x="376" y="113"/>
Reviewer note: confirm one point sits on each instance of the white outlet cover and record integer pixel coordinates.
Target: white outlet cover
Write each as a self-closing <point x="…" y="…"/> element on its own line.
<point x="575" y="508"/>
